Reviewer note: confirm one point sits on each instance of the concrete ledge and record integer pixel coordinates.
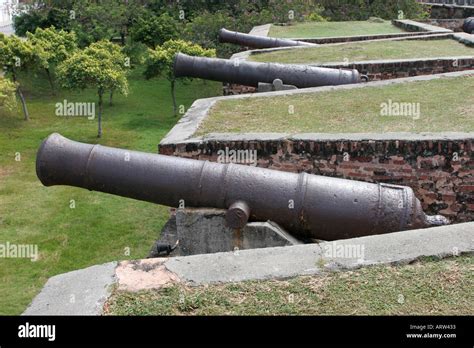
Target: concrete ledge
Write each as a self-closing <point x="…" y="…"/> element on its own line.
<point x="91" y="285"/>
<point x="270" y="263"/>
<point x="415" y="36"/>
<point x="410" y="25"/>
<point x="465" y="38"/>
<point x="183" y="132"/>
<point x="261" y="30"/>
<point x="81" y="292"/>
<point x="357" y="38"/>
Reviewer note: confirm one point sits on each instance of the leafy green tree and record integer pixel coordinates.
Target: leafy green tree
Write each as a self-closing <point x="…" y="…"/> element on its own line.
<point x="97" y="66"/>
<point x="16" y="55"/>
<point x="154" y="30"/>
<point x="51" y="47"/>
<point x="160" y="61"/>
<point x="42" y="14"/>
<point x="7" y="94"/>
<point x="99" y="20"/>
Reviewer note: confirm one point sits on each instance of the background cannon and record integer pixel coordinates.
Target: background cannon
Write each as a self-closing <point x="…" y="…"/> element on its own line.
<point x="308" y="206"/>
<point x="468" y="25"/>
<point x="251" y="73"/>
<point x="254" y="41"/>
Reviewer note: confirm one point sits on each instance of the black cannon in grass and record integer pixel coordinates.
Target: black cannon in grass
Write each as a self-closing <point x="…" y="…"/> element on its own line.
<point x="253" y="73"/>
<point x="468" y="25"/>
<point x="307" y="206"/>
<point x="254" y="41"/>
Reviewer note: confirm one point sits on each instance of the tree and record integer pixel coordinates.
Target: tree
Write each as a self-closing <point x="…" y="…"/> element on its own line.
<point x="42" y="14"/>
<point x="154" y="30"/>
<point x="16" y="55"/>
<point x="51" y="47"/>
<point x="160" y="61"/>
<point x="7" y="94"/>
<point x="97" y="66"/>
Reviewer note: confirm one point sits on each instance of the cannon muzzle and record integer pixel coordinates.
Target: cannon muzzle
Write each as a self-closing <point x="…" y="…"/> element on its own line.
<point x="251" y="73"/>
<point x="306" y="205"/>
<point x="468" y="25"/>
<point x="254" y="41"/>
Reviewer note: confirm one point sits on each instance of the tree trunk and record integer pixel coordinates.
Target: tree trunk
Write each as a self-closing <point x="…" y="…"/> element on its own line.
<point x="50" y="79"/>
<point x="173" y="95"/>
<point x="111" y="96"/>
<point x="23" y="103"/>
<point x="99" y="133"/>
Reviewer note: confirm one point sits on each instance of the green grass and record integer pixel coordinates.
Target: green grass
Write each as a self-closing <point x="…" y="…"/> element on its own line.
<point x="101" y="227"/>
<point x="333" y="29"/>
<point x="444" y="106"/>
<point x="360" y="51"/>
<point x="429" y="287"/>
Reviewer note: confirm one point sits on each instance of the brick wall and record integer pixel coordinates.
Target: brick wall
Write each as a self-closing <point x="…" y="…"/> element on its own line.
<point x="451" y="24"/>
<point x="392" y="69"/>
<point x="385" y="70"/>
<point x="441" y="172"/>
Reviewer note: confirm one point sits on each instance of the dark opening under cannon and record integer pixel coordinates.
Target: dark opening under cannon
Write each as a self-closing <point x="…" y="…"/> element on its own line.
<point x="254" y="41"/>
<point x="251" y="73"/>
<point x="308" y="206"/>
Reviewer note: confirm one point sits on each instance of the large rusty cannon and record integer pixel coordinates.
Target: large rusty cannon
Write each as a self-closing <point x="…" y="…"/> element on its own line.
<point x="308" y="206"/>
<point x="251" y="73"/>
<point x="254" y="41"/>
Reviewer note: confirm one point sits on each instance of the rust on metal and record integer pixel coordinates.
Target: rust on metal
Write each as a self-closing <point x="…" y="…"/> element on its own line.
<point x="252" y="73"/>
<point x="308" y="206"/>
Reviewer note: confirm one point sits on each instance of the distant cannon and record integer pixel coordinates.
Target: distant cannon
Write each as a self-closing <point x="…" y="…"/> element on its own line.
<point x="252" y="73"/>
<point x="254" y="41"/>
<point x="308" y="206"/>
<point x="468" y="25"/>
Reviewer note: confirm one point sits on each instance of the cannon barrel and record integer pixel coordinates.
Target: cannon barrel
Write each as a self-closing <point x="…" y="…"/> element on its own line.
<point x="254" y="41"/>
<point x="251" y="73"/>
<point x="468" y="25"/>
<point x="306" y="205"/>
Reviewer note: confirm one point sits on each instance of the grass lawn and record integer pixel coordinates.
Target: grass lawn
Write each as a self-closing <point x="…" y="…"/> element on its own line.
<point x="429" y="287"/>
<point x="333" y="29"/>
<point x="360" y="51"/>
<point x="101" y="227"/>
<point x="444" y="105"/>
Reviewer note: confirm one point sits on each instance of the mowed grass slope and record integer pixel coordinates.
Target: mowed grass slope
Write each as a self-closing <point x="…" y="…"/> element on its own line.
<point x="101" y="227"/>
<point x="360" y="51"/>
<point x="333" y="29"/>
<point x="429" y="287"/>
<point x="445" y="104"/>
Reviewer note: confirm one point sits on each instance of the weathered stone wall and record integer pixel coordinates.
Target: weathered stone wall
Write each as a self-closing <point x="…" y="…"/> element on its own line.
<point x="391" y="69"/>
<point x="441" y="172"/>
<point x="451" y="24"/>
<point x="331" y="40"/>
<point x="385" y="70"/>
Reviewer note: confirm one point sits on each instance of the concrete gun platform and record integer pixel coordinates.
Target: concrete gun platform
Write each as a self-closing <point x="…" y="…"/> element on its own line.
<point x="91" y="287"/>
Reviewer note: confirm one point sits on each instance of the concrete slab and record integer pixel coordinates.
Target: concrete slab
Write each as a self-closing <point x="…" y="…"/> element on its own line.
<point x="183" y="132"/>
<point x="81" y="292"/>
<point x="261" y="30"/>
<point x="91" y="286"/>
<point x="286" y="262"/>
